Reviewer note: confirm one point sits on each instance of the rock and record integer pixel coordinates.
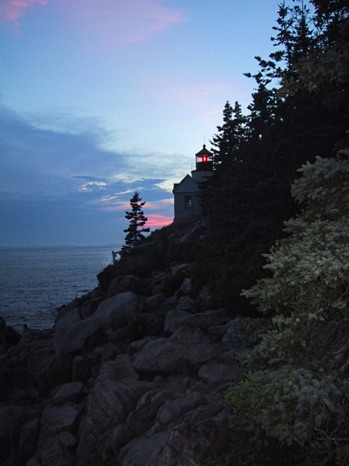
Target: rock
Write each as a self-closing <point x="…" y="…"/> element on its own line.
<point x="173" y="409"/>
<point x="114" y="395"/>
<point x="58" y="450"/>
<point x="181" y="268"/>
<point x="206" y="319"/>
<point x="183" y="349"/>
<point x="69" y="317"/>
<point x="5" y="385"/>
<point x="137" y="452"/>
<point x="27" y="440"/>
<point x="145" y="324"/>
<point x="127" y="283"/>
<point x="219" y="374"/>
<point x="161" y="355"/>
<point x="69" y="392"/>
<point x="149" y="404"/>
<point x="12" y="337"/>
<point x="158" y="281"/>
<point x="185" y="287"/>
<point x="202" y="301"/>
<point x="81" y="370"/>
<point x="200" y="432"/>
<point x="57" y="419"/>
<point x="185" y="303"/>
<point x="173" y="318"/>
<point x="118" y="310"/>
<point x="33" y="462"/>
<point x="154" y="301"/>
<point x="235" y="338"/>
<point x="109" y="386"/>
<point x="59" y="369"/>
<point x="11" y="421"/>
<point x="73" y="339"/>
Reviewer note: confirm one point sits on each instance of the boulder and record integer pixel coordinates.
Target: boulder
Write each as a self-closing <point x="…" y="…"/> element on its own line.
<point x="68" y="393"/>
<point x="185" y="303"/>
<point x="59" y="369"/>
<point x="27" y="440"/>
<point x="5" y="385"/>
<point x="208" y="319"/>
<point x="137" y="451"/>
<point x="154" y="301"/>
<point x="114" y="396"/>
<point x="56" y="419"/>
<point x="185" y="288"/>
<point x="173" y="318"/>
<point x="200" y="433"/>
<point x="58" y="450"/>
<point x="235" y="337"/>
<point x="68" y="317"/>
<point x="193" y="429"/>
<point x="74" y="338"/>
<point x="118" y="310"/>
<point x="214" y="374"/>
<point x="172" y="410"/>
<point x="126" y="283"/>
<point x="186" y="347"/>
<point x="12" y="419"/>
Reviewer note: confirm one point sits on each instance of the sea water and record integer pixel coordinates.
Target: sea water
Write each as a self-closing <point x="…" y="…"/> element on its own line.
<point x="34" y="282"/>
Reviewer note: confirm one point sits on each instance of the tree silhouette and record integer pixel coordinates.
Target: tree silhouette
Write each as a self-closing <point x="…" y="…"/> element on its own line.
<point x="137" y="220"/>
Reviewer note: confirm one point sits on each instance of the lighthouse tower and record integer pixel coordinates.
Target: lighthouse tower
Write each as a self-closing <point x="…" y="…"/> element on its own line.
<point x="188" y="192"/>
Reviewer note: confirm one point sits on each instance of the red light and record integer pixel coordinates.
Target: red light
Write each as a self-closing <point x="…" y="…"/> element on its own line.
<point x="204" y="158"/>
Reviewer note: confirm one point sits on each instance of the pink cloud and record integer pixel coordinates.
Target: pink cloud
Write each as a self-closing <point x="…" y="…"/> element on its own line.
<point x="121" y="22"/>
<point x="12" y="10"/>
<point x="155" y="221"/>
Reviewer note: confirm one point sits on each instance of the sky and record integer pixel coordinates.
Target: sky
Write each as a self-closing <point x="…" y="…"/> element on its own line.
<point x="102" y="98"/>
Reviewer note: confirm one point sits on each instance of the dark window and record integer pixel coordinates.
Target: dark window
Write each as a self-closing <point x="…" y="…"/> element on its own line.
<point x="188" y="202"/>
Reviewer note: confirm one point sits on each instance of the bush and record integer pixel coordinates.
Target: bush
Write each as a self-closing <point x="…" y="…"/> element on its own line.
<point x="289" y="392"/>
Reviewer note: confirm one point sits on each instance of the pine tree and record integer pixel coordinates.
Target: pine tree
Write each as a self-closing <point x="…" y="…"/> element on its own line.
<point x="137" y="221"/>
<point x="230" y="135"/>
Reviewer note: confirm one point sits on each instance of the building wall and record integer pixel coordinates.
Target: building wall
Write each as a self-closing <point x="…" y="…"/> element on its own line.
<point x="187" y="205"/>
<point x="188" y="195"/>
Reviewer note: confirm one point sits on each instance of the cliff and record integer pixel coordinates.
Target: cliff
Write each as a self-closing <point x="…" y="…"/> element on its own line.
<point x="133" y="373"/>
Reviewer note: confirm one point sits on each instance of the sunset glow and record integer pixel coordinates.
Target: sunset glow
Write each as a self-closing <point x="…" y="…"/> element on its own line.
<point x="102" y="98"/>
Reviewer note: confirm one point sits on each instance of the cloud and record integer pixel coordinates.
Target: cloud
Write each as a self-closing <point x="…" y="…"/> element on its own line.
<point x="12" y="10"/>
<point x="56" y="185"/>
<point x="156" y="221"/>
<point x="121" y="22"/>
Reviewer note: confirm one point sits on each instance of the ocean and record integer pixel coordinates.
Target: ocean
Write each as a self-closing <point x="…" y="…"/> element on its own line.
<point x="34" y="282"/>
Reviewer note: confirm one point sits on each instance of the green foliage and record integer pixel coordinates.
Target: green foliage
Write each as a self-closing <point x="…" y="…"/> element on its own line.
<point x="292" y="405"/>
<point x="310" y="267"/>
<point x="231" y="135"/>
<point x="287" y="392"/>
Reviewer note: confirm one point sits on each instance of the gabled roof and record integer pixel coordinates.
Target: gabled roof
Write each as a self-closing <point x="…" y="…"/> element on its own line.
<point x="188" y="184"/>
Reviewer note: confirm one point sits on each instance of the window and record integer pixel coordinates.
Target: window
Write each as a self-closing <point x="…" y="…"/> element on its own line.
<point x="188" y="202"/>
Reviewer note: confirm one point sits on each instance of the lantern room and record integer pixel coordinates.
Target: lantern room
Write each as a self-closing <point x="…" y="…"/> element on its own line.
<point x="204" y="160"/>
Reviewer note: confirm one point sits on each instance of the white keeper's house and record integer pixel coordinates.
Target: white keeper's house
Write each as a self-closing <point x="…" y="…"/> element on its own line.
<point x="188" y="192"/>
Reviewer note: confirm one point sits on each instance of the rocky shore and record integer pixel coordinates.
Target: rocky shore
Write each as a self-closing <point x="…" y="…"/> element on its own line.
<point x="128" y="376"/>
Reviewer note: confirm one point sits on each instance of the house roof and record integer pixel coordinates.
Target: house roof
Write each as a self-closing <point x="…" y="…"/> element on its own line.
<point x="188" y="184"/>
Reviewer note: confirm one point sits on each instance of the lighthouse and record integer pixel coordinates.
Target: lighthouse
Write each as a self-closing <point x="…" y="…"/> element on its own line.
<point x="188" y="192"/>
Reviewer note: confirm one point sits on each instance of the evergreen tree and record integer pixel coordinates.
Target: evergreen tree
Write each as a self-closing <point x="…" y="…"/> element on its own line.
<point x="137" y="221"/>
<point x="230" y="135"/>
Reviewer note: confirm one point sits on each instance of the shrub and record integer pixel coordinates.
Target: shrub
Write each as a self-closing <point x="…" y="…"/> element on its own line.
<point x="288" y="391"/>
